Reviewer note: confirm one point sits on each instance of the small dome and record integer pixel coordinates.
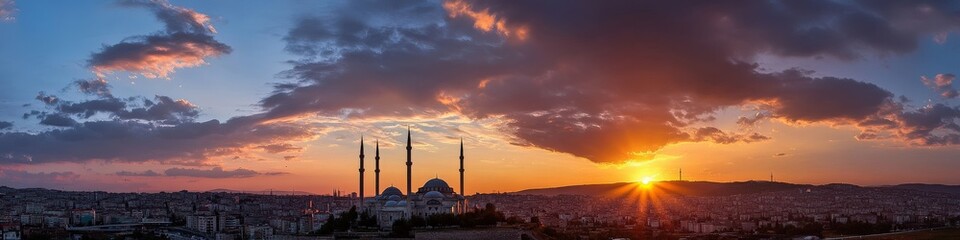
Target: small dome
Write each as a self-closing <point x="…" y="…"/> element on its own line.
<point x="390" y="204"/>
<point x="394" y="198"/>
<point x="402" y="204"/>
<point x="392" y="191"/>
<point x="433" y="194"/>
<point x="436" y="183"/>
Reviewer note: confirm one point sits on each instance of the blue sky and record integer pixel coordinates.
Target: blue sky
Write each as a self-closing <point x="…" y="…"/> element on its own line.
<point x="580" y="87"/>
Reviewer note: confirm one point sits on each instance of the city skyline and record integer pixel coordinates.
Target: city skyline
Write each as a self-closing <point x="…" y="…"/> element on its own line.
<point x="156" y="95"/>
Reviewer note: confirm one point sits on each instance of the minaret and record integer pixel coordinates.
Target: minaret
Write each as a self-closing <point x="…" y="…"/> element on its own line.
<point x="377" y="171"/>
<point x="409" y="164"/>
<point x="771" y="176"/>
<point x="681" y="174"/>
<point x="462" y="193"/>
<point x="361" y="171"/>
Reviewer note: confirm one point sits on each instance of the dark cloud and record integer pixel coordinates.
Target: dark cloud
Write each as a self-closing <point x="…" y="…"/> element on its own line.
<point x="47" y="99"/>
<point x="162" y="108"/>
<point x="187" y="143"/>
<point x="931" y="125"/>
<point x="716" y="135"/>
<point x="215" y="172"/>
<point x="59" y="180"/>
<point x="186" y="42"/>
<point x="87" y="109"/>
<point x="5" y="125"/>
<point x="56" y="180"/>
<point x="802" y="98"/>
<point x="280" y="148"/>
<point x="57" y="120"/>
<point x="148" y="173"/>
<point x="942" y="84"/>
<point x="627" y="76"/>
<point x="748" y="122"/>
<point x="97" y="86"/>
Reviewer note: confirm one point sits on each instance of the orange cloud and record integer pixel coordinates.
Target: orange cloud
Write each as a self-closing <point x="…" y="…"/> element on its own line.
<point x="483" y="19"/>
<point x="157" y="56"/>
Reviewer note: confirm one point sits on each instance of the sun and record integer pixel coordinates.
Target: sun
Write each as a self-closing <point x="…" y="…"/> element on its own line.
<point x="647" y="180"/>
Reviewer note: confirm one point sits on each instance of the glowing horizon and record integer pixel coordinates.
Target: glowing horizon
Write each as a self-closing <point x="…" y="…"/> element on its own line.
<point x="186" y="95"/>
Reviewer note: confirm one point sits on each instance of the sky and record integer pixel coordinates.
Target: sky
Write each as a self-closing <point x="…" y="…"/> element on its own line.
<point x="157" y="95"/>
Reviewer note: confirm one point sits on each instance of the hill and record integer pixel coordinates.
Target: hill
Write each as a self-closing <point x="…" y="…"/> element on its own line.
<point x="926" y="187"/>
<point x="264" y="192"/>
<point x="686" y="188"/>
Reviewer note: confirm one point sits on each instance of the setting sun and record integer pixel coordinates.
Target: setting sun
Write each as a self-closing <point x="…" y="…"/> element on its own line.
<point x="647" y="180"/>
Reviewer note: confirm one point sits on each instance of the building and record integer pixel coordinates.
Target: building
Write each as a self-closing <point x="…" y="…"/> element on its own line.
<point x="434" y="197"/>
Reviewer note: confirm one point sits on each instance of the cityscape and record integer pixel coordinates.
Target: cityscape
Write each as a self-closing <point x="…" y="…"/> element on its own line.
<point x="479" y="119"/>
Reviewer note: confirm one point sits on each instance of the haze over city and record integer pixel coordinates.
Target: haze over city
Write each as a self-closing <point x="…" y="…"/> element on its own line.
<point x="149" y="96"/>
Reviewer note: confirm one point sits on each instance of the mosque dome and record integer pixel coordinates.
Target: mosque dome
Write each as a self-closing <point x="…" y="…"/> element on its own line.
<point x="394" y="198"/>
<point x="433" y="194"/>
<point x="390" y="203"/>
<point x="392" y="191"/>
<point x="402" y="204"/>
<point x="436" y="183"/>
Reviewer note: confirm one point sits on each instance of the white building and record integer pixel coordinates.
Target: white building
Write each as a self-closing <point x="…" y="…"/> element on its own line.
<point x="434" y="197"/>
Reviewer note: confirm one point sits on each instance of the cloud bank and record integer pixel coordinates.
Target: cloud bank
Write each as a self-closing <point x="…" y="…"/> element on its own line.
<point x="609" y="81"/>
<point x="216" y="172"/>
<point x="140" y="129"/>
<point x="187" y="41"/>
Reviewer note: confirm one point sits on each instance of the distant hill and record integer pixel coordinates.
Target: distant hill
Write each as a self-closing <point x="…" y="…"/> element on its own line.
<point x="264" y="192"/>
<point x="926" y="187"/>
<point x="672" y="187"/>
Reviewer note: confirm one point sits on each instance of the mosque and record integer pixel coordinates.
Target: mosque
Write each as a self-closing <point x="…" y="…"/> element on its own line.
<point x="434" y="197"/>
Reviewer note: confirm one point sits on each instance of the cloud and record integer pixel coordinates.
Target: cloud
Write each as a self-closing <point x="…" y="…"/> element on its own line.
<point x="716" y="135"/>
<point x="748" y="122"/>
<point x="47" y="99"/>
<point x="187" y="41"/>
<point x="57" y="120"/>
<point x="16" y="178"/>
<point x="942" y="84"/>
<point x="5" y="125"/>
<point x="280" y="148"/>
<point x="162" y="108"/>
<point x="186" y="143"/>
<point x="215" y="172"/>
<point x="930" y="125"/>
<point x="97" y="86"/>
<point x="616" y="75"/>
<point x="138" y="129"/>
<point x="148" y="173"/>
<point x="176" y="19"/>
<point x="67" y="180"/>
<point x="8" y="10"/>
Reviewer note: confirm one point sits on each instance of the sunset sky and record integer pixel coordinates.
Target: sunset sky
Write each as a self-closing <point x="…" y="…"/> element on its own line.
<point x="141" y="95"/>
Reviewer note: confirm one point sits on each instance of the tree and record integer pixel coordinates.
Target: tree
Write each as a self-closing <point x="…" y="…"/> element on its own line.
<point x="418" y="221"/>
<point x="401" y="228"/>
